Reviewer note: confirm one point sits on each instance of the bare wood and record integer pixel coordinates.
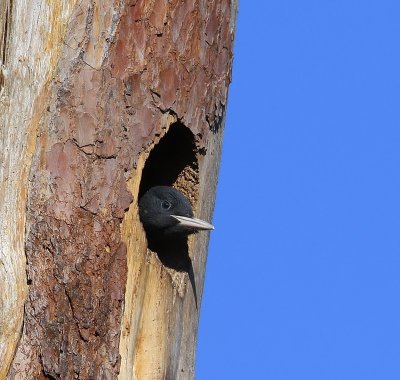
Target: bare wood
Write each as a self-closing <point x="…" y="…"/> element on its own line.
<point x="88" y="89"/>
<point x="26" y="64"/>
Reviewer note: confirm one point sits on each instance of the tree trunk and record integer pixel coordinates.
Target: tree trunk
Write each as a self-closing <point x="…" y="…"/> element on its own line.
<point x="98" y="102"/>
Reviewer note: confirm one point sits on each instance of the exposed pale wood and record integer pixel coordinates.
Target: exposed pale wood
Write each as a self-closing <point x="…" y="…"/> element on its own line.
<point x="158" y="330"/>
<point x="28" y="61"/>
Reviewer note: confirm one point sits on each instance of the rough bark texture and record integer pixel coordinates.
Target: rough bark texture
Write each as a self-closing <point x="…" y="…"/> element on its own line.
<point x="95" y="97"/>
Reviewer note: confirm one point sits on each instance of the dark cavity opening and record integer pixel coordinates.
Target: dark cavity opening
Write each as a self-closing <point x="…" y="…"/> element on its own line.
<point x="175" y="153"/>
<point x="173" y="162"/>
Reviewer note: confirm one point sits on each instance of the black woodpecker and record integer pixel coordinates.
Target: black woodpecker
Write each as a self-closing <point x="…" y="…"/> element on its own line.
<point x="166" y="213"/>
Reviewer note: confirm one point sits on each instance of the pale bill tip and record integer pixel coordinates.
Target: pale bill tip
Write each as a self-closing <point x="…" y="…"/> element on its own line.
<point x="194" y="223"/>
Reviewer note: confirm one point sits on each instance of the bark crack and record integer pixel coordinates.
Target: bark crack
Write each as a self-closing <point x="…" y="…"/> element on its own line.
<point x="5" y="32"/>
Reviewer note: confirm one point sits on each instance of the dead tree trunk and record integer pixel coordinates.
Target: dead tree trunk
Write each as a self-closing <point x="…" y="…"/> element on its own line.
<point x="99" y="100"/>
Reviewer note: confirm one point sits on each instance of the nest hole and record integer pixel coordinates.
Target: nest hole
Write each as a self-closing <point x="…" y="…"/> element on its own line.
<point x="173" y="162"/>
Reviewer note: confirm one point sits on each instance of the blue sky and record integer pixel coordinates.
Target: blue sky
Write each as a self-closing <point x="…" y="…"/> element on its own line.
<point x="303" y="272"/>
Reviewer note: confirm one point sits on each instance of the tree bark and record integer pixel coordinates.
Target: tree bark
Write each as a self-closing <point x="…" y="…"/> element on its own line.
<point x="100" y="100"/>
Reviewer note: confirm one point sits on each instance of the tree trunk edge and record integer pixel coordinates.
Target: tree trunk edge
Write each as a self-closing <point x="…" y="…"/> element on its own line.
<point x="111" y="66"/>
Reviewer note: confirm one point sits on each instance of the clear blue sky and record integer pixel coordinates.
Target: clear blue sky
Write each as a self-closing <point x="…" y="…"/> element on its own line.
<point x="303" y="272"/>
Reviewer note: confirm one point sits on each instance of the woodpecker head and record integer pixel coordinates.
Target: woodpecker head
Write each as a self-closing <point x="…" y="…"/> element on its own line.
<point x="165" y="212"/>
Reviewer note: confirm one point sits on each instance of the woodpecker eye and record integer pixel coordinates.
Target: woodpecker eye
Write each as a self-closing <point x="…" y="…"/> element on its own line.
<point x="165" y="205"/>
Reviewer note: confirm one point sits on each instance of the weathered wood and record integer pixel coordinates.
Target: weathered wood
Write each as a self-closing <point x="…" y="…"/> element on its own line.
<point x="28" y="58"/>
<point x="91" y="89"/>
